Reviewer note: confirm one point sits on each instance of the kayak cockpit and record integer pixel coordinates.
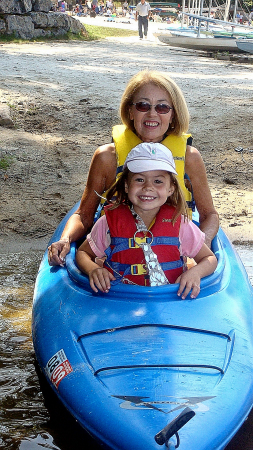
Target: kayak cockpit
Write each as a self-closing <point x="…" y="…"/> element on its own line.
<point x="209" y="285"/>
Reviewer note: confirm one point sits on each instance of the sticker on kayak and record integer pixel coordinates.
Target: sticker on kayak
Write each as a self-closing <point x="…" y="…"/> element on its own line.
<point x="165" y="406"/>
<point x="58" y="367"/>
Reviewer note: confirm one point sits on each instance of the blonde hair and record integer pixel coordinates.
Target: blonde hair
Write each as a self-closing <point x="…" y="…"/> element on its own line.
<point x="117" y="194"/>
<point x="180" y="122"/>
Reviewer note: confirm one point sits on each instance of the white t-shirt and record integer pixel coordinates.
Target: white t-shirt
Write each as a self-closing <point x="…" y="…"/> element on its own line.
<point x="143" y="9"/>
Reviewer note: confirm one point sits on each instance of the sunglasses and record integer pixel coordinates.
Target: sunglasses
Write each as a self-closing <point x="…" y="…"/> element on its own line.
<point x="161" y="108"/>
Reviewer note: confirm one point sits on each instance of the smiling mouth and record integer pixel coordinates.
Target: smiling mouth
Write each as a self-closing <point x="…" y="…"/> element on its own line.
<point x="151" y="124"/>
<point x="145" y="197"/>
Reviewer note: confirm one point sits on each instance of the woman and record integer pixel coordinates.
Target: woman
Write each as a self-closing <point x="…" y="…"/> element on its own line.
<point x="153" y="109"/>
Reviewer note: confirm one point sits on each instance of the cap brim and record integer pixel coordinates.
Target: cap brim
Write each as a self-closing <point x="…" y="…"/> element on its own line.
<point x="143" y="165"/>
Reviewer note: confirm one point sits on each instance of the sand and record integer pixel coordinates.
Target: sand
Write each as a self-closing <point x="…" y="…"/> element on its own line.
<point x="63" y="100"/>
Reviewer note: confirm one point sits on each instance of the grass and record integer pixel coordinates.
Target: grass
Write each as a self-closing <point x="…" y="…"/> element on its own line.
<point x="96" y="32"/>
<point x="5" y="162"/>
<point x="93" y="33"/>
<point x="10" y="38"/>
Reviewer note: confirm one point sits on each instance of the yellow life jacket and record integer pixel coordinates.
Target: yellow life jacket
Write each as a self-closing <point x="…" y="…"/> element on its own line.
<point x="124" y="140"/>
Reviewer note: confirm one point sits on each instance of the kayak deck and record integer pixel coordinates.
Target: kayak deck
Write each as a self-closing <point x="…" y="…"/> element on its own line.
<point x="126" y="363"/>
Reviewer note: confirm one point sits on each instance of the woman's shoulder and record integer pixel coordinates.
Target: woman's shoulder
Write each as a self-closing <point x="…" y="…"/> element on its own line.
<point x="193" y="160"/>
<point x="192" y="152"/>
<point x="106" y="150"/>
<point x="105" y="155"/>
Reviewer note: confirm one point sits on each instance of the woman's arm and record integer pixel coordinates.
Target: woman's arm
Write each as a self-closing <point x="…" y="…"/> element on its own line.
<point x="100" y="278"/>
<point x="190" y="280"/>
<point x="101" y="175"/>
<point x="208" y="216"/>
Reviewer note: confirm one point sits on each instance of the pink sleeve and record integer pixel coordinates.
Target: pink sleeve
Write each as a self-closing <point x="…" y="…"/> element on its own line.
<point x="191" y="238"/>
<point x="99" y="237"/>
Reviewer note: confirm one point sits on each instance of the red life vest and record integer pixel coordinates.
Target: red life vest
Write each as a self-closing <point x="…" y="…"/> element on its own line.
<point x="126" y="257"/>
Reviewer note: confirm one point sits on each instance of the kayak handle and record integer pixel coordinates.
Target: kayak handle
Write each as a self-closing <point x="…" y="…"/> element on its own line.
<point x="172" y="428"/>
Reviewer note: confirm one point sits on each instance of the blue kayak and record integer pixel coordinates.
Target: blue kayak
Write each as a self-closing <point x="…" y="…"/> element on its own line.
<point x="139" y="368"/>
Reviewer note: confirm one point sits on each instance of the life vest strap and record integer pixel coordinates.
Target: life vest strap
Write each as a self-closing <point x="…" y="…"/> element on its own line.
<point x="141" y="269"/>
<point x="126" y="243"/>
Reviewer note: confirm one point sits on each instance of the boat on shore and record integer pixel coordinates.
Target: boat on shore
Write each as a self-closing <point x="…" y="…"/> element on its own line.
<point x="233" y="34"/>
<point x="213" y="43"/>
<point x="139" y="368"/>
<point x="245" y="45"/>
<point x="208" y="43"/>
<point x="190" y="33"/>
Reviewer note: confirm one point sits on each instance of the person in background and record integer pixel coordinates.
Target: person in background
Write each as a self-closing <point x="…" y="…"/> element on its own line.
<point x="145" y="233"/>
<point x="153" y="109"/>
<point x="125" y="8"/>
<point x="142" y="14"/>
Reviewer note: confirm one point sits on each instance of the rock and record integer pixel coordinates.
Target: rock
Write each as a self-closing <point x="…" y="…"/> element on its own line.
<point x="2" y="27"/>
<point x="65" y="22"/>
<point x="39" y="19"/>
<point x="57" y="20"/>
<point x="235" y="224"/>
<point x="15" y="7"/>
<point x="5" y="117"/>
<point x="229" y="181"/>
<point x="42" y="5"/>
<point x="75" y="25"/>
<point x="21" y="26"/>
<point x="39" y="32"/>
<point x="26" y="6"/>
<point x="28" y="19"/>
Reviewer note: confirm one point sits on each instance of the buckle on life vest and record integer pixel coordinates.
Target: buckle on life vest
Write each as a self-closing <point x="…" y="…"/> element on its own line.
<point x="137" y="241"/>
<point x="138" y="269"/>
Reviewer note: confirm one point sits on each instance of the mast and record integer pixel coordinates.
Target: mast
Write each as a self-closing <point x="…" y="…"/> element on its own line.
<point x="183" y="11"/>
<point x="209" y="14"/>
<point x="226" y="10"/>
<point x="200" y="13"/>
<point x="195" y="11"/>
<point x="235" y="8"/>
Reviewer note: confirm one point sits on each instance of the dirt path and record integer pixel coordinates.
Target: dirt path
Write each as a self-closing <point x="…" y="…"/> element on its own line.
<point x="64" y="99"/>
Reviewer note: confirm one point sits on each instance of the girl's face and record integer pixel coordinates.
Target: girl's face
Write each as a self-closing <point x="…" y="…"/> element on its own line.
<point x="148" y="191"/>
<point x="151" y="126"/>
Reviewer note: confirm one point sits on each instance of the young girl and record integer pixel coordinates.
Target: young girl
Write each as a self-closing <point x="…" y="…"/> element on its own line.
<point x="145" y="233"/>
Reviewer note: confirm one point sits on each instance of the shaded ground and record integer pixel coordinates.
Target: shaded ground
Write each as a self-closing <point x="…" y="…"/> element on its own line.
<point x="64" y="99"/>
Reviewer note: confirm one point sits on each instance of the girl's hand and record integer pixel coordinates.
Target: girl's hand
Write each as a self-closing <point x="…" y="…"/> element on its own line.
<point x="100" y="279"/>
<point x="189" y="281"/>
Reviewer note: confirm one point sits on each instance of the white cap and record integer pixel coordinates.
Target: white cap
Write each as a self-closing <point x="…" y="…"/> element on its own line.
<point x="150" y="156"/>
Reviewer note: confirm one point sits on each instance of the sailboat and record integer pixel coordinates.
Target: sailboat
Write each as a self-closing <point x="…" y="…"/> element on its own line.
<point x="246" y="45"/>
<point x="207" y="43"/>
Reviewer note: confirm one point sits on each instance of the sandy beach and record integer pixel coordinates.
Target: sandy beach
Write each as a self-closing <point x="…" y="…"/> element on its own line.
<point x="64" y="98"/>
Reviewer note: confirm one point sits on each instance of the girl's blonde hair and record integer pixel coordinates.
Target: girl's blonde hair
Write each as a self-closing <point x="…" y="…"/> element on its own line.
<point x="180" y="122"/>
<point x="117" y="195"/>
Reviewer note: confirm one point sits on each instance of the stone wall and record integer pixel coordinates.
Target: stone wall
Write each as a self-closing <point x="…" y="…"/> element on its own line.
<point x="29" y="19"/>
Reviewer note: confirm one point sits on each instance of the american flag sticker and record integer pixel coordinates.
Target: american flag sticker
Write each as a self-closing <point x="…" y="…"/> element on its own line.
<point x="58" y="367"/>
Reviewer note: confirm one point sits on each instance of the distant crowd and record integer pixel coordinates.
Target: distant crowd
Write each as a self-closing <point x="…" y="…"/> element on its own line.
<point x="108" y="8"/>
<point x="86" y="7"/>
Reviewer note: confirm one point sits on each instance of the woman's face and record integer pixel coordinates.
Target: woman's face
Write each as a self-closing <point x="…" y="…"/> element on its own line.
<point x="151" y="126"/>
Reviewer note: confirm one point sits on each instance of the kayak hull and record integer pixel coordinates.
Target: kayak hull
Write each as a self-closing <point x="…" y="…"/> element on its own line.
<point x="127" y="363"/>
